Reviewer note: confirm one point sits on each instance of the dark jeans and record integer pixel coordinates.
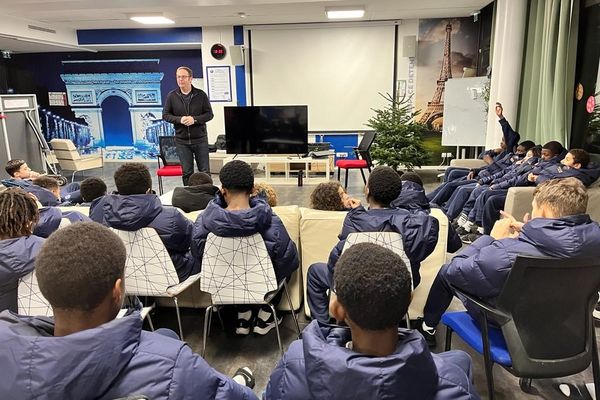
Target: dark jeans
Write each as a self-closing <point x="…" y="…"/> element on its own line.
<point x="439" y="299"/>
<point x="188" y="152"/>
<point x="491" y="211"/>
<point x="318" y="282"/>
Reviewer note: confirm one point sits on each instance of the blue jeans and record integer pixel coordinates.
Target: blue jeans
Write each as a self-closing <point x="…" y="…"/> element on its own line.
<point x="188" y="152"/>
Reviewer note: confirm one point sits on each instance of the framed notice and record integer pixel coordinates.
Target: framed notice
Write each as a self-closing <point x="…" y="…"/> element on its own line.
<point x="57" y="98"/>
<point x="218" y="83"/>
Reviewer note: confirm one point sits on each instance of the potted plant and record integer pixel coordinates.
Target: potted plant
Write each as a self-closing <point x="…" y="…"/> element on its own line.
<point x="399" y="139"/>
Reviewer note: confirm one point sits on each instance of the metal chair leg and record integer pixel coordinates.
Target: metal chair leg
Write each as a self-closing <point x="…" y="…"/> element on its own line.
<point x="178" y="318"/>
<point x="448" y="338"/>
<point x="407" y="320"/>
<point x="150" y="322"/>
<point x="277" y="328"/>
<point x="363" y="176"/>
<point x="73" y="177"/>
<point x="206" y="326"/>
<point x="487" y="358"/>
<point x="339" y="172"/>
<point x="160" y="186"/>
<point x="220" y="318"/>
<point x="346" y="180"/>
<point x="287" y="293"/>
<point x="595" y="362"/>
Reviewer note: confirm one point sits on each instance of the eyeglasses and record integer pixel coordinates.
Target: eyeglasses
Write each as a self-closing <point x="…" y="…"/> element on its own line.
<point x="183" y="76"/>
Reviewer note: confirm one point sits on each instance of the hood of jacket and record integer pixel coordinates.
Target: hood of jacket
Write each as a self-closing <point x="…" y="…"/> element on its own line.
<point x="222" y="222"/>
<point x="50" y="219"/>
<point x="80" y="365"/>
<point x="411" y="197"/>
<point x="131" y="212"/>
<point x="332" y="370"/>
<point x="571" y="236"/>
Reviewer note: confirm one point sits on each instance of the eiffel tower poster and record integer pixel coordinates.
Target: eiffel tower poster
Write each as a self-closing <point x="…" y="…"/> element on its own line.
<point x="445" y="47"/>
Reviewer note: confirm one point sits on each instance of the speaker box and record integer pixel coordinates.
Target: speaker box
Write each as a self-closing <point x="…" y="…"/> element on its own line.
<point x="236" y="53"/>
<point x="409" y="46"/>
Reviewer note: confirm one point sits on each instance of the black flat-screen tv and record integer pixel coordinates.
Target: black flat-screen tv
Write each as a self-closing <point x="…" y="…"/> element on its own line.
<point x="266" y="130"/>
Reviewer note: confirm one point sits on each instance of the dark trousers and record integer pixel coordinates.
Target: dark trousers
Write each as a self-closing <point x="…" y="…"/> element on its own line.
<point x="491" y="211"/>
<point x="457" y="201"/>
<point x="438" y="300"/>
<point x="188" y="152"/>
<point x="70" y="193"/>
<point x="445" y="190"/>
<point x="318" y="282"/>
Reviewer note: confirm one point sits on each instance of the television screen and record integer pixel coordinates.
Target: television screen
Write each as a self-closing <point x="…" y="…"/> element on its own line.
<point x="266" y="130"/>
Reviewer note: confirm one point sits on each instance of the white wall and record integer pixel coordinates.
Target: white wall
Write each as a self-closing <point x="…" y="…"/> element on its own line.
<point x="18" y="28"/>
<point x="210" y="36"/>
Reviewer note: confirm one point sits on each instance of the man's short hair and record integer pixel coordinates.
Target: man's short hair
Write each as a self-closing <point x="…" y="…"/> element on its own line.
<point x="581" y="157"/>
<point x="77" y="266"/>
<point x="554" y="147"/>
<point x="526" y="145"/>
<point x="92" y="188"/>
<point x="187" y="69"/>
<point x="18" y="213"/>
<point x="374" y="286"/>
<point x="13" y="166"/>
<point x="47" y="182"/>
<point x="566" y="196"/>
<point x="237" y="177"/>
<point x="200" y="178"/>
<point x="133" y="178"/>
<point x="412" y="177"/>
<point x="384" y="185"/>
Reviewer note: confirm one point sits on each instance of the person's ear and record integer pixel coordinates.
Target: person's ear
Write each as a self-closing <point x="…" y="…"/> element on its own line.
<point x="576" y="166"/>
<point x="149" y="190"/>
<point x="367" y="192"/>
<point x="337" y="310"/>
<point x="118" y="293"/>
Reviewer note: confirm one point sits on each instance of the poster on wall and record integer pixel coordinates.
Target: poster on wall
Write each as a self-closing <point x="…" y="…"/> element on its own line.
<point x="219" y="83"/>
<point x="110" y="100"/>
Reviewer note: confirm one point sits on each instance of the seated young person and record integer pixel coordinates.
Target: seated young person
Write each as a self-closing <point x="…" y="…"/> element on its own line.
<point x="267" y="192"/>
<point x="370" y="358"/>
<point x="412" y="197"/>
<point x="18" y="246"/>
<point x="84" y="352"/>
<point x="331" y="196"/>
<point x="91" y="189"/>
<point x="576" y="164"/>
<point x="135" y="207"/>
<point x="419" y="233"/>
<point x="21" y="176"/>
<point x="51" y="218"/>
<point x="235" y="213"/>
<point x="559" y="227"/>
<point x="197" y="195"/>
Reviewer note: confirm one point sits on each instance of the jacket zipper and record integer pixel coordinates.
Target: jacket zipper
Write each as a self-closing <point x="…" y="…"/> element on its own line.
<point x="187" y="110"/>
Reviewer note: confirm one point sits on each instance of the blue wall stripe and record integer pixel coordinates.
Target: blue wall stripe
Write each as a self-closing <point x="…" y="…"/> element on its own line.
<point x="240" y="70"/>
<point x="135" y="36"/>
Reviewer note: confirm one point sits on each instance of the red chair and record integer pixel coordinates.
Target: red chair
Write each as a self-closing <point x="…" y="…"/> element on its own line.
<point x="363" y="158"/>
<point x="170" y="159"/>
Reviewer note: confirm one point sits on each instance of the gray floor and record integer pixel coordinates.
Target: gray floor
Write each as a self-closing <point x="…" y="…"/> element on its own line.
<point x="226" y="352"/>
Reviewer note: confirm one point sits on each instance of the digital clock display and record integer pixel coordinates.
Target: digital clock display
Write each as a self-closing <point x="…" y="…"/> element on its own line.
<point x="218" y="51"/>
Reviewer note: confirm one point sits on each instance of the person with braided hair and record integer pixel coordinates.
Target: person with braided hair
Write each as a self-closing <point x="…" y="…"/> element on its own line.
<point x="18" y="246"/>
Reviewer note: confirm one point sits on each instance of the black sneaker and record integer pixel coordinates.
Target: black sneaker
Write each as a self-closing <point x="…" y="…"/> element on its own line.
<point x="470" y="238"/>
<point x="462" y="231"/>
<point x="429" y="336"/>
<point x="244" y="323"/>
<point x="263" y="327"/>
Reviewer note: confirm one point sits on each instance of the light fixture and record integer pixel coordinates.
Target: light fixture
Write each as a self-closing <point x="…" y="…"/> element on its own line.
<point x="242" y="15"/>
<point x="345" y="12"/>
<point x="152" y="19"/>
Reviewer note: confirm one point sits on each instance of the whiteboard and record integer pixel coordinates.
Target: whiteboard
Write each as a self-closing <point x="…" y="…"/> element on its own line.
<point x="465" y="119"/>
<point x="336" y="71"/>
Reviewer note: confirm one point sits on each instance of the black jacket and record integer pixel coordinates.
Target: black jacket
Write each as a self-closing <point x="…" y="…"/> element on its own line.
<point x="193" y="198"/>
<point x="199" y="108"/>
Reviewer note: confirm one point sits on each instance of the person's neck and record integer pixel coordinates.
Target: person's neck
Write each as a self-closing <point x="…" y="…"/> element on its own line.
<point x="375" y="206"/>
<point x="238" y="202"/>
<point x="186" y="90"/>
<point x="69" y="322"/>
<point x="380" y="343"/>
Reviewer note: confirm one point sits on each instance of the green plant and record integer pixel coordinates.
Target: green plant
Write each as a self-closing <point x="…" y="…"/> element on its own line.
<point x="399" y="139"/>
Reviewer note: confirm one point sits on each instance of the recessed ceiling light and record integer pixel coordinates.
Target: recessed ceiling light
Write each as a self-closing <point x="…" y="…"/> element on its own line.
<point x="152" y="19"/>
<point x="345" y="12"/>
<point x="242" y="15"/>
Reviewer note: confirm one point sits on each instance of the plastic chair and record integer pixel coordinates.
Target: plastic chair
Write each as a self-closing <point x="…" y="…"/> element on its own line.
<point x="69" y="158"/>
<point x="149" y="270"/>
<point x="363" y="158"/>
<point x="239" y="270"/>
<point x="30" y="300"/>
<point x="544" y="313"/>
<point x="170" y="160"/>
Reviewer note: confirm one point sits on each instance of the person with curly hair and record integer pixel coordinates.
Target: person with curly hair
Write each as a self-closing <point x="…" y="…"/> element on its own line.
<point x="265" y="191"/>
<point x="331" y="196"/>
<point x="18" y="246"/>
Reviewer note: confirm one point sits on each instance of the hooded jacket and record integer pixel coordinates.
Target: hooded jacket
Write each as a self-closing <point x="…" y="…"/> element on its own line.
<point x="17" y="258"/>
<point x="114" y="360"/>
<point x="51" y="217"/>
<point x="136" y="211"/>
<point x="412" y="197"/>
<point x="199" y="108"/>
<point x="193" y="198"/>
<point x="482" y="268"/>
<point x="321" y="367"/>
<point x="587" y="175"/>
<point x="419" y="232"/>
<point x="259" y="218"/>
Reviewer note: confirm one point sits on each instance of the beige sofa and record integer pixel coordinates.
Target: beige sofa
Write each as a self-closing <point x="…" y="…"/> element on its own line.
<point x="315" y="233"/>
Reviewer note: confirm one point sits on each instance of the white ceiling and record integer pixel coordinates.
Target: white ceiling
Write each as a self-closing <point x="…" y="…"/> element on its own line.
<point x="104" y="14"/>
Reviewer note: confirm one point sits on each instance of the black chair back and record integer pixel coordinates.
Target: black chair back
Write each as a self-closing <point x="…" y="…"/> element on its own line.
<point x="364" y="146"/>
<point x="168" y="150"/>
<point x="549" y="329"/>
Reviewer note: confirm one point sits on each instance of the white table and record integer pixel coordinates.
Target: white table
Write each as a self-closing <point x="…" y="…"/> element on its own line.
<point x="286" y="161"/>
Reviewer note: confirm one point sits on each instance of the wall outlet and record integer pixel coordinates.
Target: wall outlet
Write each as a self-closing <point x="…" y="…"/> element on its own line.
<point x="341" y="155"/>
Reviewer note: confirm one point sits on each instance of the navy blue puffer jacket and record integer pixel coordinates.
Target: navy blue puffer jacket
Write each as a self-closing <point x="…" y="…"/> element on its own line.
<point x="50" y="219"/>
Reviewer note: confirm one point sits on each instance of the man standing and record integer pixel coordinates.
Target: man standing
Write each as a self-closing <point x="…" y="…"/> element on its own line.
<point x="189" y="110"/>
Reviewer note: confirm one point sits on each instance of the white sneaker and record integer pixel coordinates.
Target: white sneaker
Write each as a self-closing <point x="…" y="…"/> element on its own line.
<point x="244" y="323"/>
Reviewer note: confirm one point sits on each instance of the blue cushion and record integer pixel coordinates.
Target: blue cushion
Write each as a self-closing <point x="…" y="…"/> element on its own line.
<point x="469" y="331"/>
